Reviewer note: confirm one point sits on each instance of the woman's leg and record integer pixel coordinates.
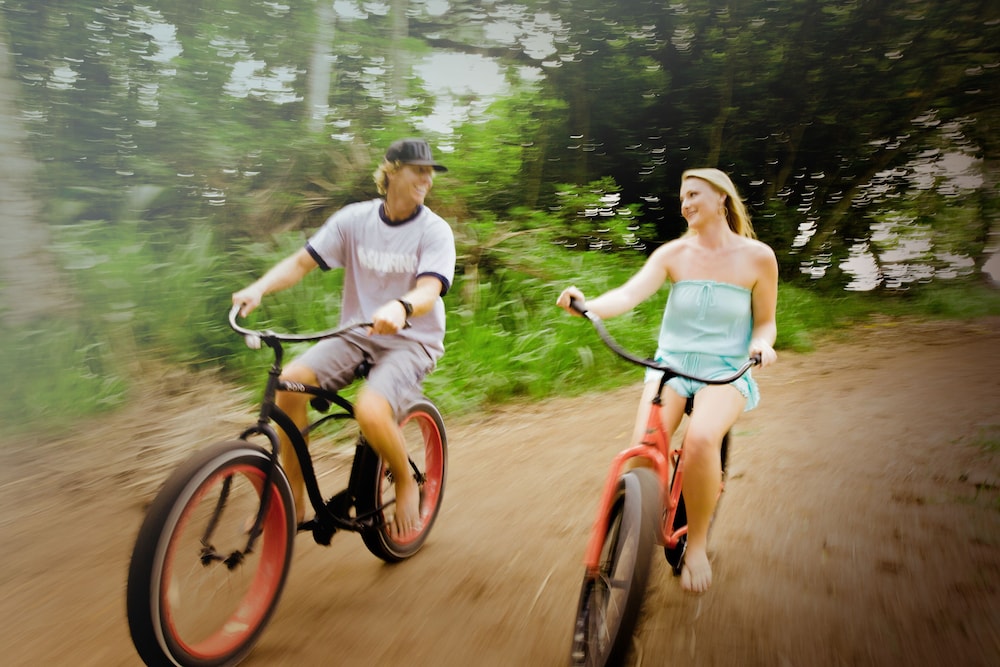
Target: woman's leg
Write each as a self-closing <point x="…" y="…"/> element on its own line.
<point x="671" y="411"/>
<point x="716" y="409"/>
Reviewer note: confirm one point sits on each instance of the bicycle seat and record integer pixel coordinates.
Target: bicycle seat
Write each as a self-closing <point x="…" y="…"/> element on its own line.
<point x="322" y="404"/>
<point x="363" y="369"/>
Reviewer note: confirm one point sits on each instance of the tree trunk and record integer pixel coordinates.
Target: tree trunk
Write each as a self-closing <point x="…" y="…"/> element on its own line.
<point x="30" y="284"/>
<point x="987" y="263"/>
<point x="400" y="56"/>
<point x="320" y="71"/>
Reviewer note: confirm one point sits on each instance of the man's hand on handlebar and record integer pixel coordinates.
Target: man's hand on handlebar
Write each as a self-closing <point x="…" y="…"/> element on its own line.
<point x="389" y="319"/>
<point x="247" y="299"/>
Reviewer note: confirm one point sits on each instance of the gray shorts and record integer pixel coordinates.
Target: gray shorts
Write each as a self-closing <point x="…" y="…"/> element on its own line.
<point x="398" y="365"/>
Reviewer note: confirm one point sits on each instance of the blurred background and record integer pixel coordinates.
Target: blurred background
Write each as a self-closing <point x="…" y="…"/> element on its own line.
<point x="157" y="156"/>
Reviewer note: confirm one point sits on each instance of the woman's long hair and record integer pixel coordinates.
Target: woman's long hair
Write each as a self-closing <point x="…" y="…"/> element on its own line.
<point x="736" y="212"/>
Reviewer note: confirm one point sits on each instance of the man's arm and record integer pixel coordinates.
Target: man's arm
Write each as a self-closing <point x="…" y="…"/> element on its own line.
<point x="284" y="274"/>
<point x="392" y="316"/>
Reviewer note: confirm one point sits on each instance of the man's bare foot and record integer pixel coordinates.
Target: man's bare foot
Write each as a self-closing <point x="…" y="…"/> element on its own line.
<point x="406" y="519"/>
<point x="696" y="575"/>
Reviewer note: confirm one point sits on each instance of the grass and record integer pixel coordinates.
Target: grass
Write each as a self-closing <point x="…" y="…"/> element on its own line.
<point x="988" y="438"/>
<point x="156" y="296"/>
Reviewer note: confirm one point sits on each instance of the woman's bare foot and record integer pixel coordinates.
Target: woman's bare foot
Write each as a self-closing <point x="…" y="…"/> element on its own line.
<point x="696" y="575"/>
<point x="406" y="519"/>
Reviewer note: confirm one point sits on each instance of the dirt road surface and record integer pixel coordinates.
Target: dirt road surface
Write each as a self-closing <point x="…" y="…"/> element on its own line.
<point x="860" y="526"/>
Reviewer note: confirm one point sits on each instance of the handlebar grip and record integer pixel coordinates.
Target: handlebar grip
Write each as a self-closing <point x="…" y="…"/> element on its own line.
<point x="577" y="306"/>
<point x="755" y="358"/>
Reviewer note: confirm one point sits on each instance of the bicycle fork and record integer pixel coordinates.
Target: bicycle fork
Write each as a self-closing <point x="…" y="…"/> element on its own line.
<point x="592" y="555"/>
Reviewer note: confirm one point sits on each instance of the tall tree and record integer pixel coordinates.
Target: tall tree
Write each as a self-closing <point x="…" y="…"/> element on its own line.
<point x="807" y="102"/>
<point x="30" y="283"/>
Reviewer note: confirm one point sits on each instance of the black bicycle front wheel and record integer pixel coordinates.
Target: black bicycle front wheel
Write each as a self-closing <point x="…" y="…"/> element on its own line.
<point x="195" y="596"/>
<point x="427" y="448"/>
<point x="610" y="600"/>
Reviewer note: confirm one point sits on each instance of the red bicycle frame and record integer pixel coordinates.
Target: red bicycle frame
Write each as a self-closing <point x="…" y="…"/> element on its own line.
<point x="655" y="448"/>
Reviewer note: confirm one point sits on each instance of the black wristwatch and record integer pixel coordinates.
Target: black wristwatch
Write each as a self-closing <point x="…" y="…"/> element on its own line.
<point x="407" y="306"/>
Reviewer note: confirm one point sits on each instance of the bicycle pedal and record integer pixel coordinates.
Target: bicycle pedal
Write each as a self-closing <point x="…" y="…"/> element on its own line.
<point x="322" y="535"/>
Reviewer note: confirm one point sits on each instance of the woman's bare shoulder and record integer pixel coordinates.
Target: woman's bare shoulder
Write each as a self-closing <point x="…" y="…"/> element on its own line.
<point x="762" y="256"/>
<point x="672" y="248"/>
<point x="758" y="248"/>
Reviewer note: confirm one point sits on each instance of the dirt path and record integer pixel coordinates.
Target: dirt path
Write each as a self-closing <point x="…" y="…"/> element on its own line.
<point x="860" y="526"/>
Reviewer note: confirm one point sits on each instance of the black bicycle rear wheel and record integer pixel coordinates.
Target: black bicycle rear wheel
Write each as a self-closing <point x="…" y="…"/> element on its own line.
<point x="427" y="447"/>
<point x="195" y="597"/>
<point x="610" y="601"/>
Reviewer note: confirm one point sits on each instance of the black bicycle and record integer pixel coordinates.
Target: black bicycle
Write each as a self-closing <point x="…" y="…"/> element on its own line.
<point x="213" y="553"/>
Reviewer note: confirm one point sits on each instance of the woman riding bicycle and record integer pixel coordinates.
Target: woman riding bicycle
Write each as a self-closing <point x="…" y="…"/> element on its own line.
<point x="721" y="309"/>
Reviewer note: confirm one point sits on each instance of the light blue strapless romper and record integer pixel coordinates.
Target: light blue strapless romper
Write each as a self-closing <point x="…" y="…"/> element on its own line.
<point x="706" y="332"/>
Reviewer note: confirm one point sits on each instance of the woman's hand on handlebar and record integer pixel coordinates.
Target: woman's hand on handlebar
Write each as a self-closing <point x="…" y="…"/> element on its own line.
<point x="763" y="352"/>
<point x="572" y="301"/>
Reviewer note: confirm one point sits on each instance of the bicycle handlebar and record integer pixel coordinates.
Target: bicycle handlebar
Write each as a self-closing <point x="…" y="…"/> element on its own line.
<point x="602" y="331"/>
<point x="253" y="337"/>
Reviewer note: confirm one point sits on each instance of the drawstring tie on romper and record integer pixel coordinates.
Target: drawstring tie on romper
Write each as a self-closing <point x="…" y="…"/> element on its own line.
<point x="706" y="299"/>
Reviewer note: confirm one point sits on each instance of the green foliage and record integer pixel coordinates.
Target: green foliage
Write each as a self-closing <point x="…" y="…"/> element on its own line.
<point x="500" y="155"/>
<point x="57" y="371"/>
<point x="988" y="438"/>
<point x="170" y="181"/>
<point x="594" y="218"/>
<point x="514" y="343"/>
<point x="165" y="296"/>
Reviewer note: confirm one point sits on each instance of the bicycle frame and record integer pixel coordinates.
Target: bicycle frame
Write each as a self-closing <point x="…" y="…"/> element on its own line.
<point x="654" y="448"/>
<point x="327" y="519"/>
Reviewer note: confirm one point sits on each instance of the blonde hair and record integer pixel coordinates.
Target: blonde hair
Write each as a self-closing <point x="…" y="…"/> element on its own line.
<point x="736" y="212"/>
<point x="381" y="175"/>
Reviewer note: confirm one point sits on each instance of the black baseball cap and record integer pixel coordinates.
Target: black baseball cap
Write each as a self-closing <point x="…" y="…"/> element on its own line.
<point x="412" y="151"/>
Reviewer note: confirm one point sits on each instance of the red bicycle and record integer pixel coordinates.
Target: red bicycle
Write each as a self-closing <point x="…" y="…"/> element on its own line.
<point x="638" y="508"/>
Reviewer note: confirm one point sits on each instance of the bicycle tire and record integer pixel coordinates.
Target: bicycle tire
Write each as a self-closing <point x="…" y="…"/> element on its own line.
<point x="427" y="445"/>
<point x="610" y="602"/>
<point x="214" y="619"/>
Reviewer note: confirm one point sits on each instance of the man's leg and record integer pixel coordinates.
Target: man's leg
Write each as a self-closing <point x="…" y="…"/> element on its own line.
<point x="377" y="420"/>
<point x="295" y="405"/>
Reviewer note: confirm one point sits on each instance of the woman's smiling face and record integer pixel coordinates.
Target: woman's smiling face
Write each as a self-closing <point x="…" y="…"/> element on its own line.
<point x="700" y="201"/>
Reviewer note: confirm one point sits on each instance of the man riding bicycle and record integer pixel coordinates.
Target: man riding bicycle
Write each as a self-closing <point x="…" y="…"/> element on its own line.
<point x="398" y="258"/>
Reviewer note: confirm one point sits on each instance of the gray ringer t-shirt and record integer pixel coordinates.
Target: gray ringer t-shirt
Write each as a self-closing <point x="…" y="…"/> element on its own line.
<point x="382" y="261"/>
